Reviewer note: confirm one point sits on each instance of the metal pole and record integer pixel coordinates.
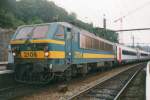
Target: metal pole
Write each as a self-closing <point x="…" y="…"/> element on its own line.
<point x="104" y="22"/>
<point x="133" y="41"/>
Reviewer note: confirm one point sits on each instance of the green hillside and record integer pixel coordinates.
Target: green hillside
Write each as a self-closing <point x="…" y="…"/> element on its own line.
<point x="14" y="13"/>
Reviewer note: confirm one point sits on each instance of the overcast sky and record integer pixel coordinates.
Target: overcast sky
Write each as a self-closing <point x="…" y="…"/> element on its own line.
<point x="136" y="11"/>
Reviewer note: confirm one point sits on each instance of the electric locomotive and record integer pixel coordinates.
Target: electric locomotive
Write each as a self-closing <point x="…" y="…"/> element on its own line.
<point x="43" y="52"/>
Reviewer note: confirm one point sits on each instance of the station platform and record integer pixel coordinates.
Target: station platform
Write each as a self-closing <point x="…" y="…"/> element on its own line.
<point x="3" y="63"/>
<point x="3" y="69"/>
<point x="6" y="72"/>
<point x="148" y="81"/>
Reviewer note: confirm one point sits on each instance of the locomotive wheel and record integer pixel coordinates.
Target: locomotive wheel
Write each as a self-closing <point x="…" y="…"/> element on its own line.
<point x="68" y="74"/>
<point x="47" y="75"/>
<point x="74" y="71"/>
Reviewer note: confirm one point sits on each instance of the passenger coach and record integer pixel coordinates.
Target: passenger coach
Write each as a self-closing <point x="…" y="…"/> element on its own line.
<point x="126" y="54"/>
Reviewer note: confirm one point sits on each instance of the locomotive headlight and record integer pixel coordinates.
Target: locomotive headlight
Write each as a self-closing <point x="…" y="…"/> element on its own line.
<point x="14" y="54"/>
<point x="46" y="51"/>
<point x="46" y="54"/>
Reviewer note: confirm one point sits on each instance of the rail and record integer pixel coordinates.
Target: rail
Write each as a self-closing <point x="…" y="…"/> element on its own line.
<point x="125" y="86"/>
<point x="81" y="93"/>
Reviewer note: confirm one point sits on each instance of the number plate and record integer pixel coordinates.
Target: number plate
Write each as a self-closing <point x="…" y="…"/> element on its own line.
<point x="28" y="54"/>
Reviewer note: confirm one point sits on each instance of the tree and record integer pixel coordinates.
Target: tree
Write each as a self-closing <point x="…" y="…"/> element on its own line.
<point x="14" y="13"/>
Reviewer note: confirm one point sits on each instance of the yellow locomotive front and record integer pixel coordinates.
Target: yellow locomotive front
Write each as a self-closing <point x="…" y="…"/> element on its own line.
<point x="34" y="49"/>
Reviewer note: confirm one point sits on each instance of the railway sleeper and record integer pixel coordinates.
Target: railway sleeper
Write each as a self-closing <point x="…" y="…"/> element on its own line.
<point x="112" y="92"/>
<point x="102" y="96"/>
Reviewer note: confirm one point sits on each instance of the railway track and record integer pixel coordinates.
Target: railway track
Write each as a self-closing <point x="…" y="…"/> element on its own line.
<point x="110" y="89"/>
<point x="135" y="90"/>
<point x="19" y="90"/>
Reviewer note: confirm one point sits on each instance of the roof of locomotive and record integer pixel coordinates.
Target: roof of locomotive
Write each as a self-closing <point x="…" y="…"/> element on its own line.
<point x="82" y="31"/>
<point x="85" y="32"/>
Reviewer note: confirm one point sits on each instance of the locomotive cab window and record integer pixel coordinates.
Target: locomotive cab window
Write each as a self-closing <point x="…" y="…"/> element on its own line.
<point x="24" y="32"/>
<point x="68" y="34"/>
<point x="68" y="29"/>
<point x="60" y="32"/>
<point x="40" y="32"/>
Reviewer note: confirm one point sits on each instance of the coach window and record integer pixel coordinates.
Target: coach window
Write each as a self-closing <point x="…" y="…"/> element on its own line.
<point x="144" y="54"/>
<point x="128" y="53"/>
<point x="60" y="32"/>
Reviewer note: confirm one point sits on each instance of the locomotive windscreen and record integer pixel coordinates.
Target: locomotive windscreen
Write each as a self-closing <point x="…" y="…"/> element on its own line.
<point x="29" y="32"/>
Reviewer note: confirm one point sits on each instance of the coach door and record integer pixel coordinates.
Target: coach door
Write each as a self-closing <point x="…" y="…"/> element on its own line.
<point x="68" y="45"/>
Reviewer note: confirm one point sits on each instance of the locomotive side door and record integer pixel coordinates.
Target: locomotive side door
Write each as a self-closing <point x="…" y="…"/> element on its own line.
<point x="68" y="46"/>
